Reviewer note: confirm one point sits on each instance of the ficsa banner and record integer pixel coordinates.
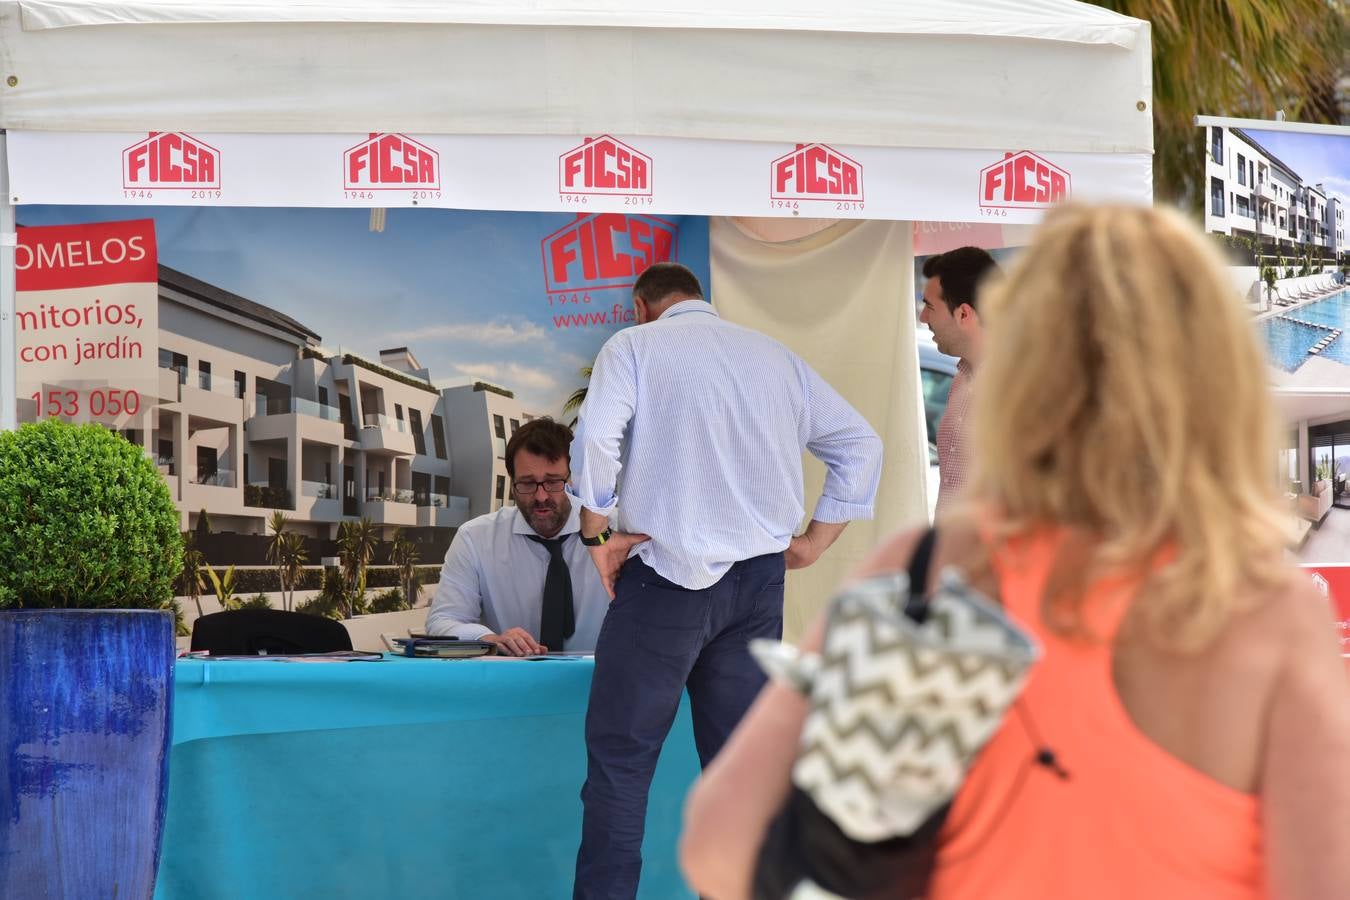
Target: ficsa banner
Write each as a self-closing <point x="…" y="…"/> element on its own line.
<point x="87" y="321"/>
<point x="596" y="173"/>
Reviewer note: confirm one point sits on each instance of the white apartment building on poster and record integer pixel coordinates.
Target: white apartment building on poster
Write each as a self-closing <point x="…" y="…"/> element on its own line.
<point x="1251" y="193"/>
<point x="251" y="415"/>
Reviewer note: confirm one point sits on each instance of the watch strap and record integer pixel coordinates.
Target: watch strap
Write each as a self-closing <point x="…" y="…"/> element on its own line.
<point x="599" y="539"/>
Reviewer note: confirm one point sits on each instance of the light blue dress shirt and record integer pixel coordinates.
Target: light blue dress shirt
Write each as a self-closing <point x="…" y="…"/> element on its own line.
<point x="707" y="422"/>
<point x="493" y="580"/>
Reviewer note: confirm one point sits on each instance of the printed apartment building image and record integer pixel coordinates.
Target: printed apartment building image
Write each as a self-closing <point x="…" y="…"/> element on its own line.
<point x="252" y="415"/>
<point x="1314" y="472"/>
<point x="1282" y="219"/>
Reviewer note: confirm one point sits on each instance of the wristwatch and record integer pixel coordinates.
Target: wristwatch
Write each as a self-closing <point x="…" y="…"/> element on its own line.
<point x="598" y="539"/>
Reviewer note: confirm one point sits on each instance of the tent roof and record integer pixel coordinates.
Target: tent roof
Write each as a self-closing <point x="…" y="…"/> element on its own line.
<point x="993" y="74"/>
<point x="1053" y="19"/>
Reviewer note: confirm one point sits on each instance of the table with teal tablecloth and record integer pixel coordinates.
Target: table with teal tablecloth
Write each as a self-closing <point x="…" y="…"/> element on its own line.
<point x="398" y="778"/>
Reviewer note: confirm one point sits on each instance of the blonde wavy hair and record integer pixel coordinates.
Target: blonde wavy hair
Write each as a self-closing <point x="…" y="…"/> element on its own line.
<point x="1123" y="394"/>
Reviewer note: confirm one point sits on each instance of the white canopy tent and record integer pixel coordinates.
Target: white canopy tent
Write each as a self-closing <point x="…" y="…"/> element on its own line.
<point x="953" y="110"/>
<point x="1052" y="75"/>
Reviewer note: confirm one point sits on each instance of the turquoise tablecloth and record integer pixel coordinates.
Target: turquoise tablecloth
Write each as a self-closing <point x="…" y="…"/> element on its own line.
<point x="399" y="778"/>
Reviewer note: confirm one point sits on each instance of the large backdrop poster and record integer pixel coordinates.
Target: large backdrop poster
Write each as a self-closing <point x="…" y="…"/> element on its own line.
<point x="338" y="364"/>
<point x="522" y="300"/>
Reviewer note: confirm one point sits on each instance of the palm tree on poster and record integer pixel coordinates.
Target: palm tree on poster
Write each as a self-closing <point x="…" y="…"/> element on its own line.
<point x="1241" y="58"/>
<point x="403" y="554"/>
<point x="276" y="524"/>
<point x="287" y="552"/>
<point x="356" y="545"/>
<point x="191" y="582"/>
<point x="573" y="403"/>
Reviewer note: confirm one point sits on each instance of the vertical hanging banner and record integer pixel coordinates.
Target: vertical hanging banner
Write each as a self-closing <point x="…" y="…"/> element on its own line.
<point x="87" y="321"/>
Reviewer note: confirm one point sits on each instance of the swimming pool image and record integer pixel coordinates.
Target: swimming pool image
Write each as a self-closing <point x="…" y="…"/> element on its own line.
<point x="1288" y="337"/>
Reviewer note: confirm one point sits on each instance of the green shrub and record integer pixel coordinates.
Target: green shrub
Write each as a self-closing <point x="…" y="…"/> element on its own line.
<point x="257" y="601"/>
<point x="329" y="601"/>
<point x="248" y="581"/>
<point x="86" y="521"/>
<point x="388" y="601"/>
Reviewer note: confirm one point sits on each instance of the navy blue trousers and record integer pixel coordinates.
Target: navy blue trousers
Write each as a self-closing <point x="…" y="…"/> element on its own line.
<point x="657" y="639"/>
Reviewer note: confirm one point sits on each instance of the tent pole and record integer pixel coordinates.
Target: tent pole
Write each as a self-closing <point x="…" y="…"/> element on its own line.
<point x="8" y="333"/>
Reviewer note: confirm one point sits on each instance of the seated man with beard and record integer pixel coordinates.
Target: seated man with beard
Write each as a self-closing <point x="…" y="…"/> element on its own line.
<point x="520" y="577"/>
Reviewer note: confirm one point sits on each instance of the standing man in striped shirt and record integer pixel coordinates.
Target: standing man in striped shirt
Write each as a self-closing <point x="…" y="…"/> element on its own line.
<point x="707" y="421"/>
<point x="950" y="312"/>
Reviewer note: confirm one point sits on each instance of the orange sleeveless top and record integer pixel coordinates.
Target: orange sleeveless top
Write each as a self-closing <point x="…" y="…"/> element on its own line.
<point x="1128" y="821"/>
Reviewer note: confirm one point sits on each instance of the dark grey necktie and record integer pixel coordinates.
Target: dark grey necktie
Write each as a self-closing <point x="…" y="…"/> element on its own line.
<point x="559" y="619"/>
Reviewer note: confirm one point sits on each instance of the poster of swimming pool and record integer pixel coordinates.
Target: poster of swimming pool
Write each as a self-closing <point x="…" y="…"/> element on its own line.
<point x="1275" y="201"/>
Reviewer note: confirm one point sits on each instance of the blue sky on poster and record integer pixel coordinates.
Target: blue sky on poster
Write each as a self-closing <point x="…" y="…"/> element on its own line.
<point x="1317" y="158"/>
<point x="463" y="290"/>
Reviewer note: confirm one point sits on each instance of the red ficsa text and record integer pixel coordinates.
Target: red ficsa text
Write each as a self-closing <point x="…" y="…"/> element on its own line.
<point x="391" y="160"/>
<point x="1023" y="179"/>
<point x="592" y="242"/>
<point x="605" y="164"/>
<point x="169" y="158"/>
<point x="815" y="170"/>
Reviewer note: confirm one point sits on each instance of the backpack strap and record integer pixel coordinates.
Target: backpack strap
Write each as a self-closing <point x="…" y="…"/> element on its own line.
<point x="916" y="606"/>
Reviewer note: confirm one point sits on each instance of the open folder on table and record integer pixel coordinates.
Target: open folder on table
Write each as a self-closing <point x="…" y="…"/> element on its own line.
<point x="434" y="647"/>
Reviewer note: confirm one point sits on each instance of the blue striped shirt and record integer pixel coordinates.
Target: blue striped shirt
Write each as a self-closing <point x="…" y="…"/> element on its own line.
<point x="707" y="422"/>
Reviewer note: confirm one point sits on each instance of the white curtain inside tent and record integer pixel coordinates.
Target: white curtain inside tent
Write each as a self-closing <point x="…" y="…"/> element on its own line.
<point x="843" y="298"/>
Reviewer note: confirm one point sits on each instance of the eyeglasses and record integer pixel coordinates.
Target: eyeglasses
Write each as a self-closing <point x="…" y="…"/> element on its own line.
<point x="527" y="488"/>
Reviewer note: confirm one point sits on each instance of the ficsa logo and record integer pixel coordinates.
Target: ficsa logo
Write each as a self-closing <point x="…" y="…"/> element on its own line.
<point x="1024" y="181"/>
<point x="605" y="166"/>
<point x="170" y="161"/>
<point x="391" y="162"/>
<point x="815" y="172"/>
<point x="605" y="250"/>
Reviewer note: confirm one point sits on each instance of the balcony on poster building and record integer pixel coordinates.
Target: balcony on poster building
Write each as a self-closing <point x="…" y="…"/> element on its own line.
<point x="319" y="501"/>
<point x="168" y="385"/>
<point x="213" y="400"/>
<point x="215" y="489"/>
<point x="168" y="469"/>
<point x="442" y="511"/>
<point x="390" y="506"/>
<point x="381" y="434"/>
<point x="265" y="495"/>
<point x="276" y="418"/>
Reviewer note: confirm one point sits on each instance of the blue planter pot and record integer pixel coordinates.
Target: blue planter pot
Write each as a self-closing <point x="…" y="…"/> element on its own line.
<point x="85" y="703"/>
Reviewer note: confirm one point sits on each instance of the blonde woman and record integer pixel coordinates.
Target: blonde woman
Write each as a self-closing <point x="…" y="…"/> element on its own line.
<point x="1191" y="696"/>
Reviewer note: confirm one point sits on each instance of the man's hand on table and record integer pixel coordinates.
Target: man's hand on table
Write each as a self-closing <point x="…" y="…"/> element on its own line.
<point x="515" y="642"/>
